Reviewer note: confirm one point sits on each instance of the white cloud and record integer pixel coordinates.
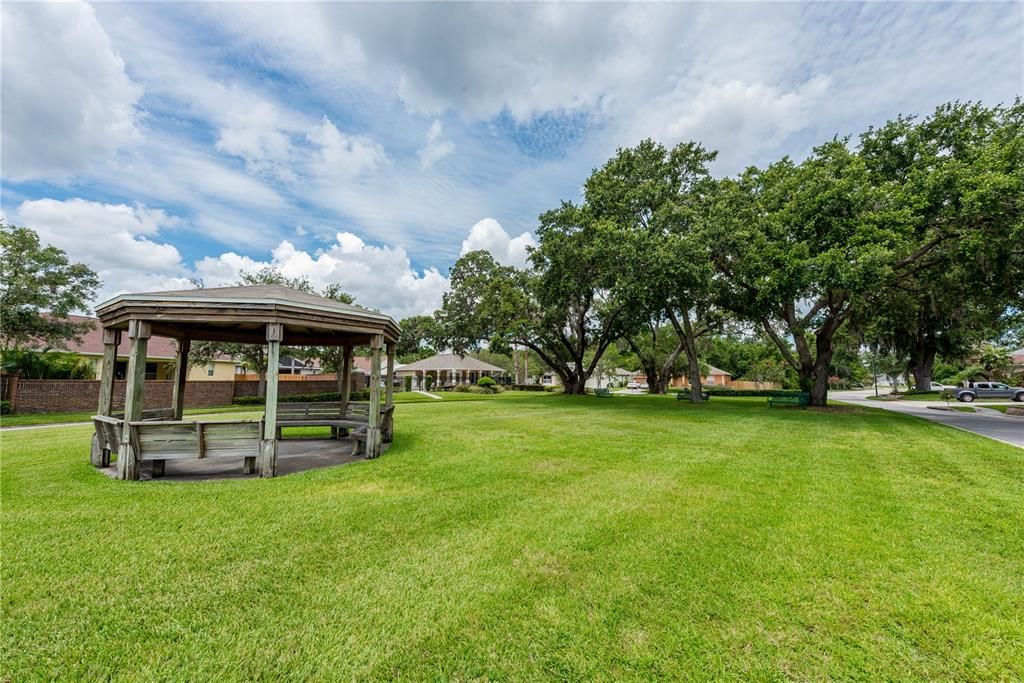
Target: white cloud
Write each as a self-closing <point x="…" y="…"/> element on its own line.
<point x="257" y="137"/>
<point x="339" y="155"/>
<point x="436" y="148"/>
<point x="256" y="118"/>
<point x="738" y="118"/>
<point x="118" y="241"/>
<point x="67" y="99"/>
<point x="378" y="277"/>
<point x="489" y="235"/>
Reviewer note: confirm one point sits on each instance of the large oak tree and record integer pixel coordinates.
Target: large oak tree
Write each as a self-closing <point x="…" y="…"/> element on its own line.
<point x="957" y="177"/>
<point x="653" y="197"/>
<point x="562" y="307"/>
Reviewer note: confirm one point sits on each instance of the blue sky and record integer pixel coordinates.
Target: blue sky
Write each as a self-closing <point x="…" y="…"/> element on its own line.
<point x="372" y="144"/>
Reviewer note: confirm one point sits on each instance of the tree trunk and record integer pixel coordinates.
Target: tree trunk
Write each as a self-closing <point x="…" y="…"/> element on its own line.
<point x="655" y="385"/>
<point x="822" y="364"/>
<point x="575" y="385"/>
<point x="812" y="369"/>
<point x="819" y="386"/>
<point x="922" y="361"/>
<point x="692" y="361"/>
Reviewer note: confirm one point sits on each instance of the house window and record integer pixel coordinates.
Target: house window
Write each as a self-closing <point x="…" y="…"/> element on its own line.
<point x="546" y="379"/>
<point x="150" y="370"/>
<point x="209" y="369"/>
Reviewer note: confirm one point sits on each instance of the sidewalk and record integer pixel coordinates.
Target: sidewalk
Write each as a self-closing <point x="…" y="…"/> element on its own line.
<point x="988" y="423"/>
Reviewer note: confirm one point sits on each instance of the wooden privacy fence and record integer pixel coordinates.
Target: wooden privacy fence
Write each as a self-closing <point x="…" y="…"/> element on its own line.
<point x="747" y="384"/>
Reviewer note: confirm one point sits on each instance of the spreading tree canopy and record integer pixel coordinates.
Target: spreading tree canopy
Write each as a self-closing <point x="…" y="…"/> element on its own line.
<point x="654" y="198"/>
<point x="39" y="287"/>
<point x="957" y="179"/>
<point x="794" y="246"/>
<point x="562" y="306"/>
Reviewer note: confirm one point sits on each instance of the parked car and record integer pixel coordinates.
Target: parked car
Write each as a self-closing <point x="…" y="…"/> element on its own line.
<point x="988" y="390"/>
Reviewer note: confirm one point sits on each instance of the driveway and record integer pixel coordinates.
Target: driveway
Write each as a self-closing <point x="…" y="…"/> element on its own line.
<point x="990" y="423"/>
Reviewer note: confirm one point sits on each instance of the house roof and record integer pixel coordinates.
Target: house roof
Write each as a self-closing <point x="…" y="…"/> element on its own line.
<point x="91" y="342"/>
<point x="451" y="361"/>
<point x="712" y="370"/>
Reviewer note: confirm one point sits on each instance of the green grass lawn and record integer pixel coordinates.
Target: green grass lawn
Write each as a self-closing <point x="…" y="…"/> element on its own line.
<point x="534" y="538"/>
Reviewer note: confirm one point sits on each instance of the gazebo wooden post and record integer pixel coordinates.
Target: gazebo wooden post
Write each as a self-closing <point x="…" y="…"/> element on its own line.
<point x="127" y="458"/>
<point x="389" y="392"/>
<point x="373" y="439"/>
<point x="346" y="377"/>
<point x="268" y="446"/>
<point x="180" y="376"/>
<point x="100" y="456"/>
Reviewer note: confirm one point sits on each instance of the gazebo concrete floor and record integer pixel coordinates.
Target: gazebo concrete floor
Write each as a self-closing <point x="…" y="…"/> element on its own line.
<point x="293" y="455"/>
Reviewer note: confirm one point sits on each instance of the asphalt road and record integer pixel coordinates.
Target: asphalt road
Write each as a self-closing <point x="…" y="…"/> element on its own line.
<point x="991" y="423"/>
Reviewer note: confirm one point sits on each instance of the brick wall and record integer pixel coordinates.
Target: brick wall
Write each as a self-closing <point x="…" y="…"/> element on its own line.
<point x="60" y="395"/>
<point x="250" y="387"/>
<point x="66" y="395"/>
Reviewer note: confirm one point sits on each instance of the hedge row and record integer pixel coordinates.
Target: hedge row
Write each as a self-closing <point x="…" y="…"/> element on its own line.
<point x="526" y="387"/>
<point x="325" y="397"/>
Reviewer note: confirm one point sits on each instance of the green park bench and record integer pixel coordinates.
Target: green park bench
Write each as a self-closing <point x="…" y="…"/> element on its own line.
<point x="801" y="399"/>
<point x="685" y="396"/>
<point x="603" y="392"/>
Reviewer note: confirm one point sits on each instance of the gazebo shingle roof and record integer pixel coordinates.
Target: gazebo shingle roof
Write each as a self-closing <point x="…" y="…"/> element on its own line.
<point x="451" y="361"/>
<point x="240" y="313"/>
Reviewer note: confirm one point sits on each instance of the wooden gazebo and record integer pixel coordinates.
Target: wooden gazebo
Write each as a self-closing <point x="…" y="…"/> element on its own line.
<point x="258" y="314"/>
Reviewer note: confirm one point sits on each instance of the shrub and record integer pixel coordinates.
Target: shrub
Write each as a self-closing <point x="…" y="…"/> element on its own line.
<point x="408" y="383"/>
<point x="5" y="407"/>
<point x="428" y="382"/>
<point x="47" y="365"/>
<point x="486" y="381"/>
<point x="526" y="387"/>
<point x="477" y="389"/>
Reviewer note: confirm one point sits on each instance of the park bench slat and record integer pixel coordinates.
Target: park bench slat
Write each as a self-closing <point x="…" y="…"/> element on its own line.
<point x="158" y="442"/>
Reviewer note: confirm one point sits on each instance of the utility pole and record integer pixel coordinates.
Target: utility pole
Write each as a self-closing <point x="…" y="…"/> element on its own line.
<point x="874" y="372"/>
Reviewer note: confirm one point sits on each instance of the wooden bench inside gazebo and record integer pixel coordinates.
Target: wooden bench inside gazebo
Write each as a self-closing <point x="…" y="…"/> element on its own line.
<point x="273" y="315"/>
